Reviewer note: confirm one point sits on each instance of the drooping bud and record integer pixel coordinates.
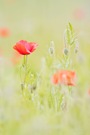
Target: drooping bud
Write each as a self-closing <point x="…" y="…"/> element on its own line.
<point x="66" y="51"/>
<point x="76" y="50"/>
<point x="22" y="86"/>
<point x="51" y="48"/>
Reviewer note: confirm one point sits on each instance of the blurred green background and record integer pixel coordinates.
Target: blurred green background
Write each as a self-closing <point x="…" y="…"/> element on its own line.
<point x="42" y="19"/>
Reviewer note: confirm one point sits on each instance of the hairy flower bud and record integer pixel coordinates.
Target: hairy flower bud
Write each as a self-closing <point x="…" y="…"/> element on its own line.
<point x="22" y="86"/>
<point x="66" y="51"/>
<point x="76" y="50"/>
<point x="51" y="48"/>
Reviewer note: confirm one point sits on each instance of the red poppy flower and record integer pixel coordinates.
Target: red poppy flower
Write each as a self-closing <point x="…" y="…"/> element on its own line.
<point x="65" y="77"/>
<point x="24" y="47"/>
<point x="4" y="32"/>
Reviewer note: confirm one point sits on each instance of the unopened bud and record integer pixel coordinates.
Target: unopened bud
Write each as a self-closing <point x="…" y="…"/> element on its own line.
<point x="66" y="51"/>
<point x="51" y="49"/>
<point x="76" y="50"/>
<point x="22" y="86"/>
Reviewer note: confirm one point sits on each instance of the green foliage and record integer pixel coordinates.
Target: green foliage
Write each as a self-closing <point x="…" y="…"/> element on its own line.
<point x="70" y="35"/>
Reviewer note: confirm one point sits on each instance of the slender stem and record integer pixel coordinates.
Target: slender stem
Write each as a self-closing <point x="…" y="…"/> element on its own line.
<point x="25" y="68"/>
<point x="25" y="61"/>
<point x="24" y="81"/>
<point x="64" y="39"/>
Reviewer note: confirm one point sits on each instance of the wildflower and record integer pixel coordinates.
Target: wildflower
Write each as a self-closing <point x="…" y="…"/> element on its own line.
<point x="79" y="14"/>
<point x="4" y="32"/>
<point x="55" y="78"/>
<point x="51" y="49"/>
<point x="24" y="47"/>
<point x="89" y="92"/>
<point x="66" y="51"/>
<point x="65" y="77"/>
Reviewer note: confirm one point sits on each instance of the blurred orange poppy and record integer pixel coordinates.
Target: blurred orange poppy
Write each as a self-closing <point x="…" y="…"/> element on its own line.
<point x="65" y="77"/>
<point x="89" y="92"/>
<point x="4" y="32"/>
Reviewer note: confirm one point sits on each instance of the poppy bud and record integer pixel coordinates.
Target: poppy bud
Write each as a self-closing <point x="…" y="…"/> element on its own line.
<point x="22" y="86"/>
<point x="66" y="51"/>
<point x="76" y="50"/>
<point x="51" y="49"/>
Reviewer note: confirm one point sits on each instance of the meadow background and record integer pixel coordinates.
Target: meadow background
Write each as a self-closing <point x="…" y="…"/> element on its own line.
<point x="43" y="21"/>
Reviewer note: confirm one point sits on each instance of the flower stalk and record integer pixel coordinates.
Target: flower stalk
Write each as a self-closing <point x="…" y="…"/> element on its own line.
<point x="25" y="69"/>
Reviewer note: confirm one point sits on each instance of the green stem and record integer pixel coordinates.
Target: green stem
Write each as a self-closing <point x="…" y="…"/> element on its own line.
<point x="25" y="68"/>
<point x="24" y="72"/>
<point x="24" y="81"/>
